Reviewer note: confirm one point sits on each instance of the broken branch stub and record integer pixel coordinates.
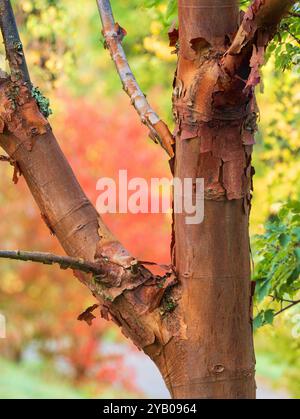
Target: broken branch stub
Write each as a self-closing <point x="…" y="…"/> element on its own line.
<point x="113" y="35"/>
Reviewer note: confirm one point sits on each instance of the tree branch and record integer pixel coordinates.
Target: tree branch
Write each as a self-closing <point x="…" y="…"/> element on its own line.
<point x="129" y="294"/>
<point x="262" y="15"/>
<point x="113" y="35"/>
<point x="65" y="262"/>
<point x="259" y="25"/>
<point x="294" y="14"/>
<point x="13" y="45"/>
<point x="293" y="304"/>
<point x="286" y="28"/>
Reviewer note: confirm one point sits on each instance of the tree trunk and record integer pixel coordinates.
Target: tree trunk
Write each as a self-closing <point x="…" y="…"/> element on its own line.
<point x="197" y="326"/>
<point x="212" y="259"/>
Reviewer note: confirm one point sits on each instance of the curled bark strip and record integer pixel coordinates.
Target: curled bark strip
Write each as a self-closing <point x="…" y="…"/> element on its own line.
<point x="121" y="272"/>
<point x="218" y="113"/>
<point x="223" y="23"/>
<point x="65" y="262"/>
<point x="113" y="34"/>
<point x="17" y="171"/>
<point x="19" y="112"/>
<point x="88" y="316"/>
<point x="5" y="159"/>
<point x="13" y="45"/>
<point x="258" y="27"/>
<point x="173" y="34"/>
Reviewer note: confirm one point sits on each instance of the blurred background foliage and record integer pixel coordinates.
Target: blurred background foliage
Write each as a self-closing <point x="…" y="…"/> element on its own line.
<point x="47" y="351"/>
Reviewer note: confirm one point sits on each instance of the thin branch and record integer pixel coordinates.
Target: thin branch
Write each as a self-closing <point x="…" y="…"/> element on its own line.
<point x="13" y="45"/>
<point x="294" y="14"/>
<point x="113" y="35"/>
<point x="65" y="262"/>
<point x="283" y="300"/>
<point x="293" y="304"/>
<point x="5" y="159"/>
<point x="286" y="28"/>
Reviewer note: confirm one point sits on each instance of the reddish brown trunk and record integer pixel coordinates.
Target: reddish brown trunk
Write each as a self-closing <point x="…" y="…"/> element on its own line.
<point x="199" y="332"/>
<point x="212" y="259"/>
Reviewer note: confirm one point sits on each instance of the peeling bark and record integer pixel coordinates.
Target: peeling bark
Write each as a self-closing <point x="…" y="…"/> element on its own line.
<point x="195" y="321"/>
<point x="215" y="112"/>
<point x="19" y="112"/>
<point x="258" y="27"/>
<point x="215" y="125"/>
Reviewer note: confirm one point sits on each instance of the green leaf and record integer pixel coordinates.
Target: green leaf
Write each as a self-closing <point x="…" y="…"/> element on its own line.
<point x="297" y="253"/>
<point x="269" y="316"/>
<point x="171" y="10"/>
<point x="284" y="239"/>
<point x="258" y="322"/>
<point x="263" y="290"/>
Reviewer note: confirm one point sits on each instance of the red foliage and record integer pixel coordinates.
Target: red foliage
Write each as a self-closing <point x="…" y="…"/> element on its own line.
<point x="99" y="141"/>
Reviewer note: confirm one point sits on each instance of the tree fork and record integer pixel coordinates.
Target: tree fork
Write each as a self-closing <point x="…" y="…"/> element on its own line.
<point x="129" y="294"/>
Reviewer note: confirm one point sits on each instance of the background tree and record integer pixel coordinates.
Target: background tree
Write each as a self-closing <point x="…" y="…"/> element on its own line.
<point x="181" y="385"/>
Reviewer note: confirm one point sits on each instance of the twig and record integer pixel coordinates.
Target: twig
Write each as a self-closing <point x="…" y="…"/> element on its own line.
<point x="286" y="27"/>
<point x="293" y="304"/>
<point x="65" y="262"/>
<point x="13" y="45"/>
<point x="113" y="35"/>
<point x="5" y="159"/>
<point x="294" y="14"/>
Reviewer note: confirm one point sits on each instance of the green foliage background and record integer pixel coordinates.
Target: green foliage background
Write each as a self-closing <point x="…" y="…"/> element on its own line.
<point x="64" y="49"/>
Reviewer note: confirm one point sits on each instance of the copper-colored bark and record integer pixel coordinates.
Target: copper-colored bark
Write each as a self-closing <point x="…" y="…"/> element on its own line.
<point x="215" y="113"/>
<point x="257" y="28"/>
<point x="212" y="259"/>
<point x="125" y="289"/>
<point x="197" y="327"/>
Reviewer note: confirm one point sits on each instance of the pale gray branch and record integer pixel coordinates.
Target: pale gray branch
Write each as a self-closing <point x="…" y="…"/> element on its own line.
<point x="65" y="262"/>
<point x="113" y="35"/>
